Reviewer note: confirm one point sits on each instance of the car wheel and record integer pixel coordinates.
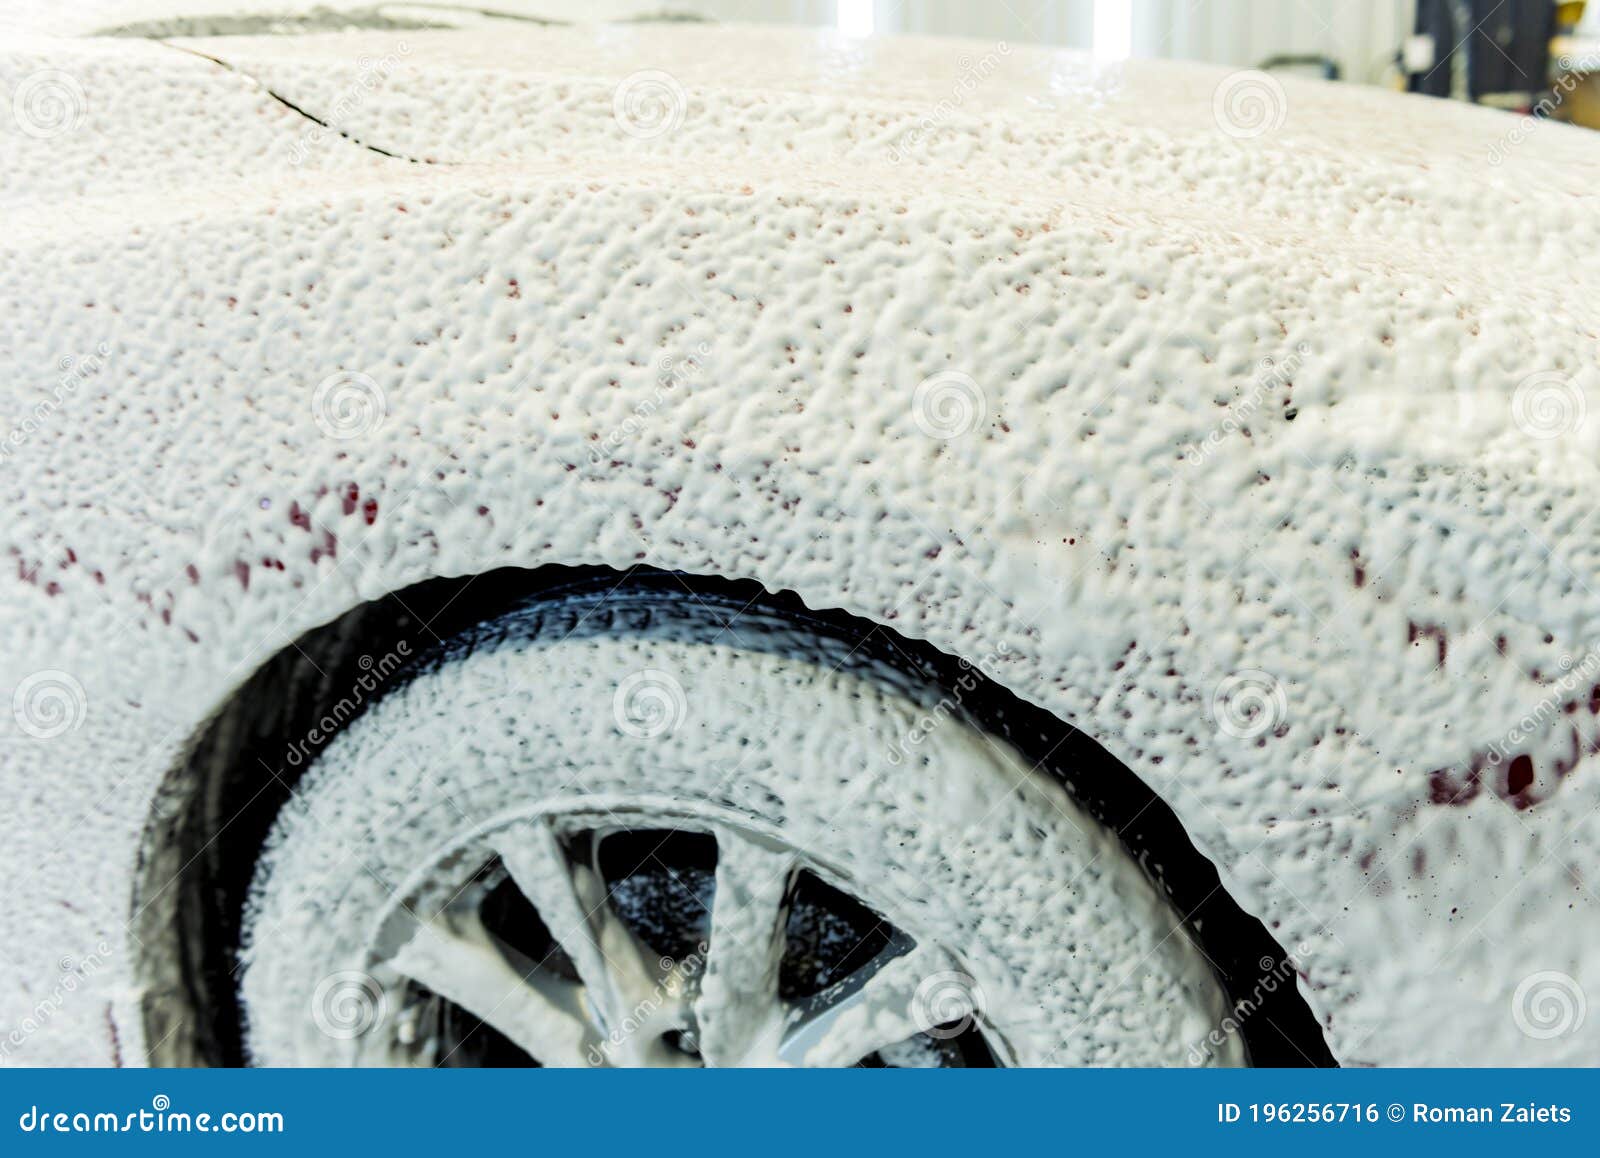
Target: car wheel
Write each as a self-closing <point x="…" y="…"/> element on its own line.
<point x="657" y="828"/>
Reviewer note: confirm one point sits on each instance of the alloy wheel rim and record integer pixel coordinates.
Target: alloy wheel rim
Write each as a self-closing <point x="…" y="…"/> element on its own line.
<point x="518" y="939"/>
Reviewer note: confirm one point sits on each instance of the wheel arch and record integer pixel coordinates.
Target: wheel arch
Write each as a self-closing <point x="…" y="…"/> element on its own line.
<point x="212" y="814"/>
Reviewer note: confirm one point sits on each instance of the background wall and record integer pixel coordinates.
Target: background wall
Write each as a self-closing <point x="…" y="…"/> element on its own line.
<point x="1362" y="35"/>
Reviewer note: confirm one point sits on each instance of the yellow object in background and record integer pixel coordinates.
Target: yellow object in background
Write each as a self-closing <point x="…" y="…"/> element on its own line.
<point x="1579" y="84"/>
<point x="1583" y="106"/>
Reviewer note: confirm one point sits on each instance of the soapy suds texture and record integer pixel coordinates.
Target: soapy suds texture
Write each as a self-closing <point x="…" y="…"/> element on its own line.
<point x="1077" y="956"/>
<point x="1378" y="519"/>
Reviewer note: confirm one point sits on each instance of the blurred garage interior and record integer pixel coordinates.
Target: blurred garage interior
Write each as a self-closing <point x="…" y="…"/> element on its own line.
<point x="1534" y="57"/>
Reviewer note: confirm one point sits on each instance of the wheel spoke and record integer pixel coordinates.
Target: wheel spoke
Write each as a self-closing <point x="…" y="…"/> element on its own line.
<point x="629" y="1006"/>
<point x="461" y="961"/>
<point x="739" y="1015"/>
<point x="873" y="1008"/>
<point x="619" y="973"/>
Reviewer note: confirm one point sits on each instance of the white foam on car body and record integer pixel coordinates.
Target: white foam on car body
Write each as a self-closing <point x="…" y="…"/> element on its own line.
<point x="1305" y="404"/>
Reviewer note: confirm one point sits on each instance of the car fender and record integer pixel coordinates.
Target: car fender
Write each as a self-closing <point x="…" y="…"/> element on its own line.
<point x="1259" y="456"/>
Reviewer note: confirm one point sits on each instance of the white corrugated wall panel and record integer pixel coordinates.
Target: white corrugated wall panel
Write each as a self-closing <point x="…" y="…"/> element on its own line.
<point x="1067" y="22"/>
<point x="1360" y="34"/>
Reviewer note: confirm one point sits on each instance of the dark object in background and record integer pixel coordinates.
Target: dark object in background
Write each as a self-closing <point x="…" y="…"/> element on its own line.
<point x="1324" y="66"/>
<point x="1502" y="45"/>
